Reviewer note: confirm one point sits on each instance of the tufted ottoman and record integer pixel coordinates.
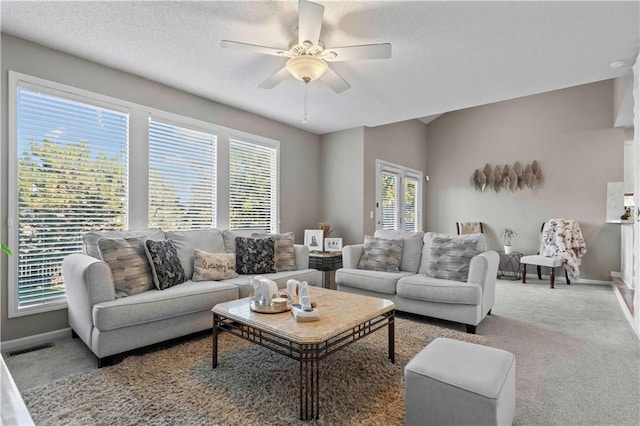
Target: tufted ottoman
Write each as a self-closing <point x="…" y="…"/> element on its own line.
<point x="458" y="383"/>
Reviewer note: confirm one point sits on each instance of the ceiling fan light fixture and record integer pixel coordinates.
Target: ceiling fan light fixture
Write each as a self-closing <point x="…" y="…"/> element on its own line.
<point x="307" y="68"/>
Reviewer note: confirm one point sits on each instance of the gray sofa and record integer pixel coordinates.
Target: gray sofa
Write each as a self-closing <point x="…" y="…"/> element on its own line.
<point x="413" y="291"/>
<point x="110" y="325"/>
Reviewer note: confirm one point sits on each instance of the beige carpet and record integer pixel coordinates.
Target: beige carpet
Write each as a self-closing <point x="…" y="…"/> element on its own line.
<point x="251" y="386"/>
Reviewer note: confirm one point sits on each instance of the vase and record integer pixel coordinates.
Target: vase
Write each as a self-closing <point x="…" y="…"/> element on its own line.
<point x="507" y="249"/>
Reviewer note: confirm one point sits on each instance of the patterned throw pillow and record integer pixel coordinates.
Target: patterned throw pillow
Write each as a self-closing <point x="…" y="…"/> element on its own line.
<point x="129" y="265"/>
<point x="213" y="266"/>
<point x="254" y="255"/>
<point x="285" y="255"/>
<point x="451" y="256"/>
<point x="381" y="254"/>
<point x="165" y="264"/>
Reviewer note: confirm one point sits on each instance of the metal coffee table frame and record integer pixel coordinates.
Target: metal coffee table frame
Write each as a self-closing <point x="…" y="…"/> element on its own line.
<point x="308" y="355"/>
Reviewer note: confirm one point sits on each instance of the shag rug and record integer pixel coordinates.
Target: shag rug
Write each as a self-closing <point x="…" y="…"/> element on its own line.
<point x="251" y="385"/>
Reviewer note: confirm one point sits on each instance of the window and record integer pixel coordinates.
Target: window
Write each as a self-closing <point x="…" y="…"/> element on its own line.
<point x="73" y="169"/>
<point x="71" y="178"/>
<point x="252" y="186"/>
<point x="182" y="177"/>
<point x="398" y="197"/>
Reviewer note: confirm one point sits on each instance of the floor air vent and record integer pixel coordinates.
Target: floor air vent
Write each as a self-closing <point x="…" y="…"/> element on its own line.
<point x="30" y="349"/>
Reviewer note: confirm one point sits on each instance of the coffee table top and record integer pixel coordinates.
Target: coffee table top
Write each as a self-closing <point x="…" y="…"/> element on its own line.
<point x="339" y="312"/>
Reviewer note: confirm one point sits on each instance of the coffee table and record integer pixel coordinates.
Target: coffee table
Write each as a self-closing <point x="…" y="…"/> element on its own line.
<point x="344" y="318"/>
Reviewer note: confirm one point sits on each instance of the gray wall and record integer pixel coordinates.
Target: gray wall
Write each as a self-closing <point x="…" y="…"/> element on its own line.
<point x="569" y="132"/>
<point x="403" y="143"/>
<point x="299" y="175"/>
<point x="342" y="165"/>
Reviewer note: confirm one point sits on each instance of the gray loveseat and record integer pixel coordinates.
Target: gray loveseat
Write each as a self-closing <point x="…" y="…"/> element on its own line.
<point x="111" y="325"/>
<point x="412" y="290"/>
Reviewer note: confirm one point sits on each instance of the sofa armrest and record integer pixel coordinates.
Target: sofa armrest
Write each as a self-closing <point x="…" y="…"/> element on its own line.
<point x="302" y="256"/>
<point x="87" y="281"/>
<point x="351" y="255"/>
<point x="483" y="270"/>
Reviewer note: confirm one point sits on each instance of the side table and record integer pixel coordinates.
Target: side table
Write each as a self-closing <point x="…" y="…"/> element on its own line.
<point x="509" y="265"/>
<point x="327" y="262"/>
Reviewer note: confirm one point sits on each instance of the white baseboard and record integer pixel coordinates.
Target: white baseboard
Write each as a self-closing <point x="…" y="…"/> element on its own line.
<point x="627" y="314"/>
<point x="36" y="339"/>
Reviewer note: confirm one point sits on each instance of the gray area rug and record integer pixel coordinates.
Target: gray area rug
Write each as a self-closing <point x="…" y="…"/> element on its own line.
<point x="251" y="386"/>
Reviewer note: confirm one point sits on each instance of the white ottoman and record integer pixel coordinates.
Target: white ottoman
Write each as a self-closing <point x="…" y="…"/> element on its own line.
<point x="458" y="383"/>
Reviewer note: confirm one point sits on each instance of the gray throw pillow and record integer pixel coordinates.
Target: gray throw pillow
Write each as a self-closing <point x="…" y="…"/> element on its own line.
<point x="165" y="264"/>
<point x="380" y="254"/>
<point x="284" y="252"/>
<point x="254" y="256"/>
<point x="129" y="265"/>
<point x="451" y="256"/>
<point x="213" y="266"/>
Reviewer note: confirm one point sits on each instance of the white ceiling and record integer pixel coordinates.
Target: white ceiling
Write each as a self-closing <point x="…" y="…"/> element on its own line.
<point x="446" y="55"/>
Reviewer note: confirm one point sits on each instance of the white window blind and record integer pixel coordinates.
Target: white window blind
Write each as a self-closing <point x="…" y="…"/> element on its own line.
<point x="182" y="177"/>
<point x="390" y="200"/>
<point x="72" y="178"/>
<point x="252" y="186"/>
<point x="410" y="204"/>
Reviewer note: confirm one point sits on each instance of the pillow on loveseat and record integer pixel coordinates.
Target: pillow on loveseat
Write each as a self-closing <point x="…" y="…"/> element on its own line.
<point x="213" y="266"/>
<point x="451" y="255"/>
<point x="284" y="253"/>
<point x="255" y="255"/>
<point x="130" y="268"/>
<point x="165" y="264"/>
<point x="380" y="254"/>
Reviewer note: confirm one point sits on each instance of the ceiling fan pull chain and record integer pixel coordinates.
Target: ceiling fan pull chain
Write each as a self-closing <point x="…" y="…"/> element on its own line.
<point x="305" y="115"/>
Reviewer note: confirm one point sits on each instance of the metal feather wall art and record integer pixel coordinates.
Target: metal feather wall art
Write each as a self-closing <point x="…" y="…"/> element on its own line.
<point x="508" y="178"/>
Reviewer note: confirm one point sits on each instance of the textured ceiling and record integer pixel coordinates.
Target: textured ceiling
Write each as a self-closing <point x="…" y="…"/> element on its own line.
<point x="446" y="55"/>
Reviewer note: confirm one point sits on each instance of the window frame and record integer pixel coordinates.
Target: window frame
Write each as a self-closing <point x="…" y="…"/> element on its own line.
<point x="17" y="80"/>
<point x="137" y="191"/>
<point x="402" y="172"/>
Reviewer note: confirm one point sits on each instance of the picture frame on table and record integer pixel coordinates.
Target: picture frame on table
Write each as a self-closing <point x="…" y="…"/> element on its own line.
<point x="314" y="239"/>
<point x="333" y="244"/>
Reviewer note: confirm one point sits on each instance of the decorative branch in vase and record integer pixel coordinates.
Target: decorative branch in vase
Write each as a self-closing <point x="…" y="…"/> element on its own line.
<point x="507" y="235"/>
<point x="326" y="228"/>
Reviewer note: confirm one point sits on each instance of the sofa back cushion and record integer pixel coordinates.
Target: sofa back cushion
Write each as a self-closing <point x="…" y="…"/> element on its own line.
<point x="165" y="264"/>
<point x="90" y="239"/>
<point x="230" y="238"/>
<point x="284" y="253"/>
<point x="449" y="256"/>
<point x="411" y="249"/>
<point x="129" y="265"/>
<point x="187" y="241"/>
<point x="380" y="254"/>
<point x="214" y="266"/>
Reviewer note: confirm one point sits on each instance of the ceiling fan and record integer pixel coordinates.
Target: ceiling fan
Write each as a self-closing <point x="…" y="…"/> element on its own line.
<point x="308" y="56"/>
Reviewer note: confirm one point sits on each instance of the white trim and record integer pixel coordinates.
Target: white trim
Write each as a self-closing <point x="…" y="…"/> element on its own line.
<point x="36" y="339"/>
<point x="625" y="311"/>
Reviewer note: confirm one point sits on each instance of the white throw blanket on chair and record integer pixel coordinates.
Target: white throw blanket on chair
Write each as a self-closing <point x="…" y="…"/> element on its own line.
<point x="562" y="238"/>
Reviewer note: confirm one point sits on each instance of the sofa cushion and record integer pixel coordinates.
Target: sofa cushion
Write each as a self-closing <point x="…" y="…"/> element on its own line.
<point x="381" y="282"/>
<point x="284" y="253"/>
<point x="380" y="254"/>
<point x="229" y="238"/>
<point x="213" y="266"/>
<point x="165" y="264"/>
<point x="129" y="266"/>
<point x="254" y="255"/>
<point x="90" y="239"/>
<point x="209" y="240"/>
<point x="479" y="239"/>
<point x="411" y="249"/>
<point x="155" y="305"/>
<point x="423" y="287"/>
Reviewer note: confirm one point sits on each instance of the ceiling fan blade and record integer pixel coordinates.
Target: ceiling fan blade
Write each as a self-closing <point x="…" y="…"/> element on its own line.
<point x="333" y="80"/>
<point x="365" y="51"/>
<point x="254" y="48"/>
<point x="273" y="81"/>
<point x="309" y="21"/>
